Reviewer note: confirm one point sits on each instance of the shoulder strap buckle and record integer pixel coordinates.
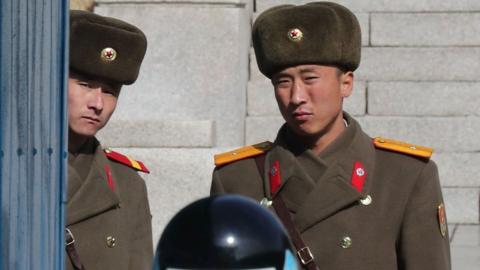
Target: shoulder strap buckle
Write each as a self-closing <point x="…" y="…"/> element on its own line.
<point x="69" y="239"/>
<point x="305" y="255"/>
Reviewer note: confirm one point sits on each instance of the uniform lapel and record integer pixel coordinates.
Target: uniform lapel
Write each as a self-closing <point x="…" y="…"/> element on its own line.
<point x="94" y="195"/>
<point x="299" y="169"/>
<point x="334" y="191"/>
<point x="361" y="150"/>
<point x="296" y="183"/>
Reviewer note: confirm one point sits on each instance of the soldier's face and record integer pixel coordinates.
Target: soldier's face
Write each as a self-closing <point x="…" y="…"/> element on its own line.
<point x="90" y="104"/>
<point x="310" y="98"/>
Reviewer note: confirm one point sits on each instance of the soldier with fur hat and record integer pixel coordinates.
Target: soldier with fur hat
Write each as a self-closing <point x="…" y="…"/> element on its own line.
<point x="349" y="201"/>
<point x="108" y="222"/>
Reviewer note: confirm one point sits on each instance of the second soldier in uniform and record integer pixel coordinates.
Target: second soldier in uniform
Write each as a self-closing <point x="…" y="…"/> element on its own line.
<point x="356" y="202"/>
<point x="108" y="216"/>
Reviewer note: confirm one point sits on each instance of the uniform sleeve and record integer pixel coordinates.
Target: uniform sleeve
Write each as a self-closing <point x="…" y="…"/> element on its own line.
<point x="421" y="244"/>
<point x="216" y="187"/>
<point x="141" y="251"/>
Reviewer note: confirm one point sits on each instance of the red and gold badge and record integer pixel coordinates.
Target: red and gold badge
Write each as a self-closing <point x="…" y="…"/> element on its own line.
<point x="295" y="35"/>
<point x="108" y="54"/>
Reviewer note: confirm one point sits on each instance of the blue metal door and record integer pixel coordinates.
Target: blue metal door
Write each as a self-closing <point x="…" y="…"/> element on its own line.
<point x="33" y="70"/>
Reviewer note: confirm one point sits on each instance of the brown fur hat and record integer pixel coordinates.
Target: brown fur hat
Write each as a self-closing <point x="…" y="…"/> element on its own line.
<point x="105" y="48"/>
<point x="321" y="33"/>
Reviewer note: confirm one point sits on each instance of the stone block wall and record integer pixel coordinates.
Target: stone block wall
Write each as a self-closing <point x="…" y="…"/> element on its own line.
<point x="200" y="91"/>
<point x="189" y="101"/>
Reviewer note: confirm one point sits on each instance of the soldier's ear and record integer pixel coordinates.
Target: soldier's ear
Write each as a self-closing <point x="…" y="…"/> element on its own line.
<point x="346" y="83"/>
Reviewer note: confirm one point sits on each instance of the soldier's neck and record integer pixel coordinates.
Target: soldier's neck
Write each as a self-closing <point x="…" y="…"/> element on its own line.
<point x="75" y="142"/>
<point x="317" y="143"/>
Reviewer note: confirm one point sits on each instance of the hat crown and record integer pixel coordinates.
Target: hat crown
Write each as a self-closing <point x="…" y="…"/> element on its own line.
<point x="322" y="33"/>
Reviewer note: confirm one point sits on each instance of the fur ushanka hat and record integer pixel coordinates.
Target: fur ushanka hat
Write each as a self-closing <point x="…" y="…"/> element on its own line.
<point x="321" y="33"/>
<point x="105" y="48"/>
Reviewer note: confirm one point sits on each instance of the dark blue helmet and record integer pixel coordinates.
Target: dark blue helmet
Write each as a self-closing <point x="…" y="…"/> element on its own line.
<point x="225" y="232"/>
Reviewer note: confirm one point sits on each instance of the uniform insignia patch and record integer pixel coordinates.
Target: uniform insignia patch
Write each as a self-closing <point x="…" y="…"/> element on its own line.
<point x="126" y="160"/>
<point x="110" y="182"/>
<point x="274" y="175"/>
<point x="442" y="220"/>
<point x="242" y="153"/>
<point x="358" y="176"/>
<point x="402" y="147"/>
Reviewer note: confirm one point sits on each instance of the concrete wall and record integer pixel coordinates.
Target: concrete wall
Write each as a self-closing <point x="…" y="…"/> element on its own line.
<point x="200" y="91"/>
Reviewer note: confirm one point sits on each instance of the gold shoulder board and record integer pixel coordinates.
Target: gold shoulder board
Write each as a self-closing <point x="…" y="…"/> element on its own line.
<point x="126" y="160"/>
<point x="241" y="153"/>
<point x="402" y="147"/>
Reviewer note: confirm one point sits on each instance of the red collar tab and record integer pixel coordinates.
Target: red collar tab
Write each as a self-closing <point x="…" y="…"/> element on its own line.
<point x="126" y="160"/>
<point x="110" y="182"/>
<point x="359" y="175"/>
<point x="442" y="220"/>
<point x="275" y="179"/>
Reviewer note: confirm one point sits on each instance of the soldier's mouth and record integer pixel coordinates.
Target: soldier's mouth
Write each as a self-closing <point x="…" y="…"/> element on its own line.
<point x="301" y="115"/>
<point x="91" y="119"/>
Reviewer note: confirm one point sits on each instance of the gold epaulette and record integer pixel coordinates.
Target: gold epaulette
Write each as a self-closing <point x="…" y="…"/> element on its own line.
<point x="126" y="160"/>
<point x="241" y="153"/>
<point x="402" y="147"/>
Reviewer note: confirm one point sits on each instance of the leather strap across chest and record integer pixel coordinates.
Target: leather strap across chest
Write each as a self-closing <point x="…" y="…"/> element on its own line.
<point x="72" y="251"/>
<point x="303" y="251"/>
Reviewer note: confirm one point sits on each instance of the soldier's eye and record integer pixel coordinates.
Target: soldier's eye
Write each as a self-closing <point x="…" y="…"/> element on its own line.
<point x="109" y="92"/>
<point x="282" y="82"/>
<point x="311" y="78"/>
<point x="84" y="84"/>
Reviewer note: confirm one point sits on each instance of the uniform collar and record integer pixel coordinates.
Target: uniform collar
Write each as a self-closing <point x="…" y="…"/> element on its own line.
<point x="83" y="158"/>
<point x="322" y="184"/>
<point x="335" y="150"/>
<point x="342" y="143"/>
<point x="94" y="195"/>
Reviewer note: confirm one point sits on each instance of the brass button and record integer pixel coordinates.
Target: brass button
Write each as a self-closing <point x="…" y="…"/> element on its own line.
<point x="265" y="202"/>
<point x="367" y="200"/>
<point x="346" y="242"/>
<point x="111" y="241"/>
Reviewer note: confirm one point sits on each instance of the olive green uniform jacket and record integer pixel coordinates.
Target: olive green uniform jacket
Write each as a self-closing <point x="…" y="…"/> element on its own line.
<point x="399" y="229"/>
<point x="107" y="212"/>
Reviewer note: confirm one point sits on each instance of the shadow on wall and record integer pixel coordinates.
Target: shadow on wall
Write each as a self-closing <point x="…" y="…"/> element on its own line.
<point x="82" y="4"/>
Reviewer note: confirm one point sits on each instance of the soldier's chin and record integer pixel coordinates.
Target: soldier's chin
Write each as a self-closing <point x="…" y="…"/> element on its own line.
<point x="301" y="129"/>
<point x="86" y="132"/>
<point x="308" y="132"/>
